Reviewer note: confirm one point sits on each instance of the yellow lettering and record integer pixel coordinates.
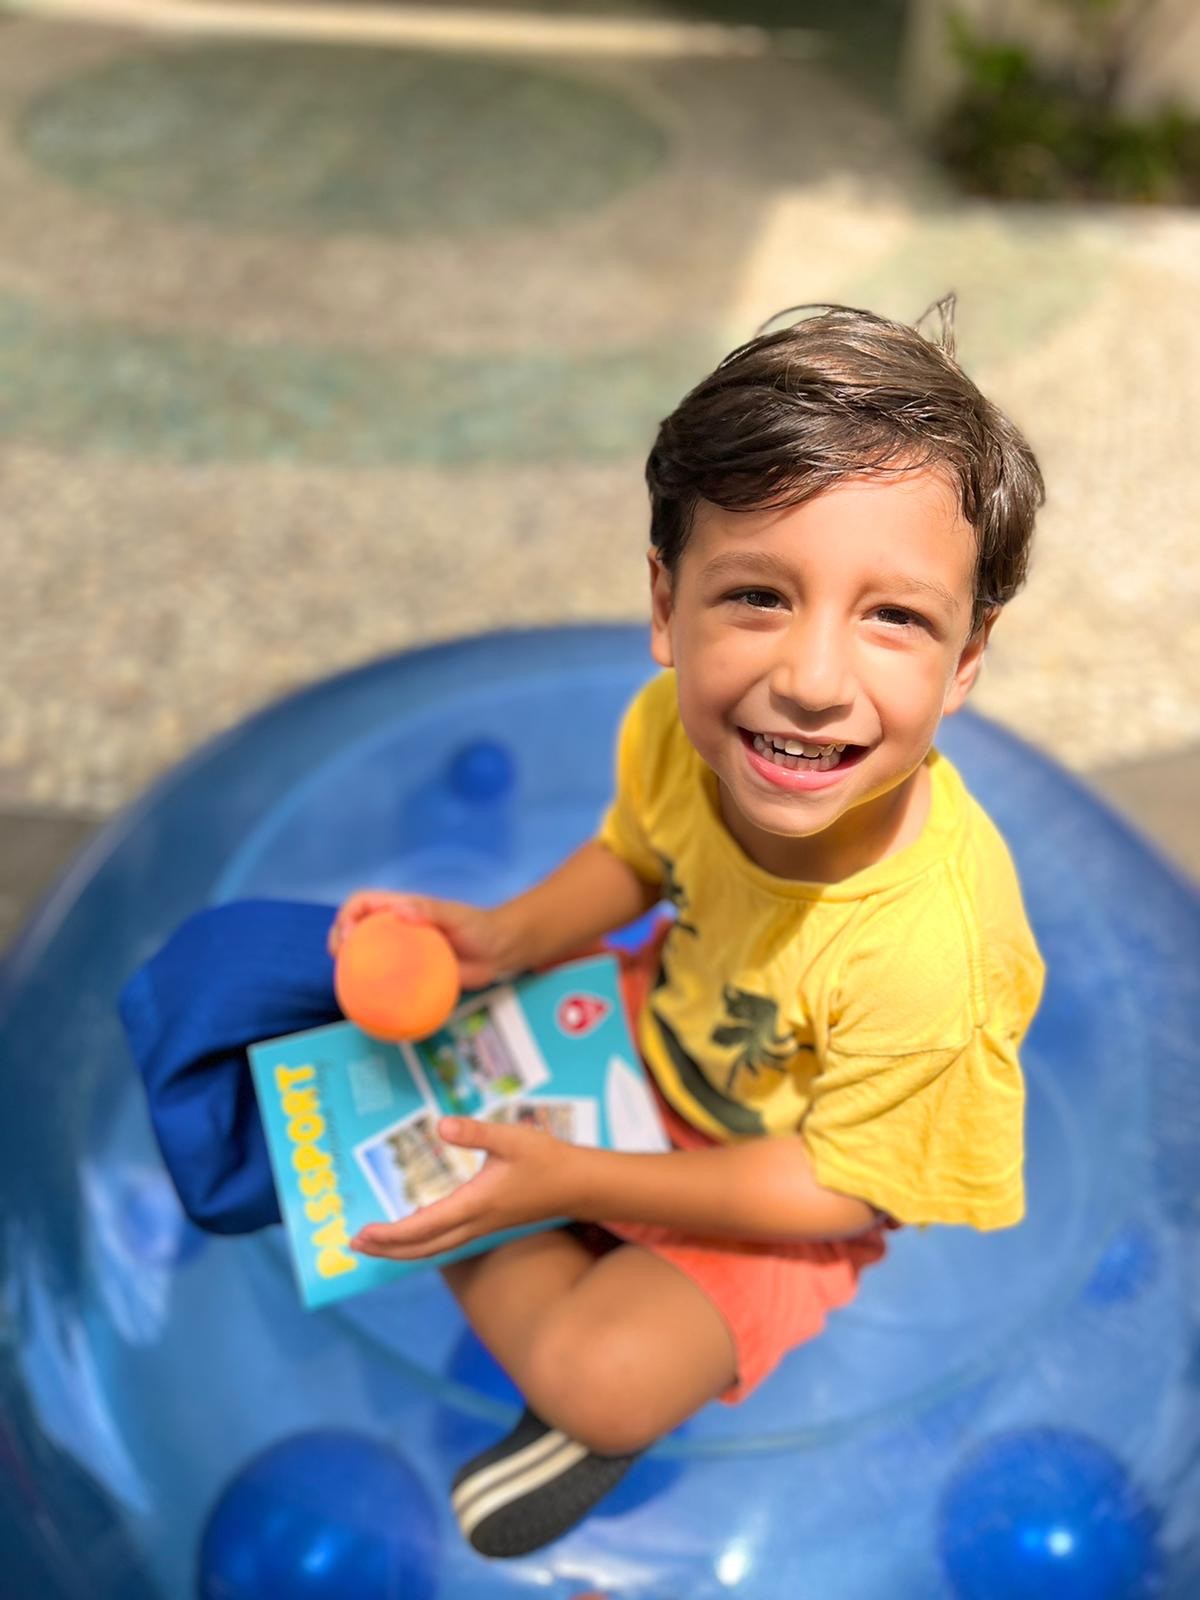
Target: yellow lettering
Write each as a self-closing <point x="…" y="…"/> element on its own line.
<point x="305" y="1130"/>
<point x="297" y="1101"/>
<point x="332" y="1263"/>
<point x="332" y="1235"/>
<point x="288" y="1077"/>
<point x="310" y="1158"/>
<point x="313" y="1183"/>
<point x="318" y="1176"/>
<point x="329" y="1205"/>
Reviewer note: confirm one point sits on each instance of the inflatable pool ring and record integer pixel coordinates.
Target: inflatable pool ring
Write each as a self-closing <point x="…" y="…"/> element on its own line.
<point x="988" y="1410"/>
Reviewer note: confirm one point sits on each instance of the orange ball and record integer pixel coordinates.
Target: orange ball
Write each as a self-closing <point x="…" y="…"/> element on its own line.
<point x="396" y="980"/>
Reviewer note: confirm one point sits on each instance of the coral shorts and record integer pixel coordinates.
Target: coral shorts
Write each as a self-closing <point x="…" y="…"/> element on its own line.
<point x="773" y="1296"/>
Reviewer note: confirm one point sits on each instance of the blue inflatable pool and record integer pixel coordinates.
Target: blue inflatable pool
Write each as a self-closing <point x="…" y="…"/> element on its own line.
<point x="1014" y="1414"/>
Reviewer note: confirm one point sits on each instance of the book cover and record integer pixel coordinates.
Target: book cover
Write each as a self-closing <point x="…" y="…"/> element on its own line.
<point x="351" y="1122"/>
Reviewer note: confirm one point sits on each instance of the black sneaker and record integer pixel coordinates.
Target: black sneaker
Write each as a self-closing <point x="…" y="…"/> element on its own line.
<point x="532" y="1487"/>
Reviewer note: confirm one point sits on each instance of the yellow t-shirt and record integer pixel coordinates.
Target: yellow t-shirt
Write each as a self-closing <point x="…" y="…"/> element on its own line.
<point x="880" y="1016"/>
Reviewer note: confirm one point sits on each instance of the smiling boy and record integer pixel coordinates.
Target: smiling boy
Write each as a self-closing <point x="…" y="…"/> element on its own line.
<point x="832" y="1021"/>
<point x="836" y="626"/>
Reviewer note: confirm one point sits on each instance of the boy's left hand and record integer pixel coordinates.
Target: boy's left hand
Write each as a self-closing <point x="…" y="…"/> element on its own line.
<point x="527" y="1177"/>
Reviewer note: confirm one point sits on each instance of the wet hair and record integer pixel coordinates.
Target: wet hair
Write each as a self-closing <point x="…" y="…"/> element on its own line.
<point x="837" y="395"/>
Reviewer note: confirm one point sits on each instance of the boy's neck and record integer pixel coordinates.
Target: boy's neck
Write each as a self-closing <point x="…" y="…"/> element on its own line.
<point x="869" y="833"/>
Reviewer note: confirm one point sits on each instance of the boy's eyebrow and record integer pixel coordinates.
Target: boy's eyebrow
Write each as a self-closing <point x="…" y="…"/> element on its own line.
<point x="904" y="580"/>
<point x="739" y="562"/>
<point x="735" y="562"/>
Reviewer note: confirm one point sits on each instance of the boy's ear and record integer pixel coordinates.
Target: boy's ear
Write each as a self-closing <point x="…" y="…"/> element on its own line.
<point x="969" y="663"/>
<point x="661" y="606"/>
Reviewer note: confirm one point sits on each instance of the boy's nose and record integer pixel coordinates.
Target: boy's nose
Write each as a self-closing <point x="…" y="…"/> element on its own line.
<point x="812" y="669"/>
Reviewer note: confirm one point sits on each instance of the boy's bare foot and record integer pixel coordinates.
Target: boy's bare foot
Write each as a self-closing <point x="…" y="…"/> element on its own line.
<point x="531" y="1488"/>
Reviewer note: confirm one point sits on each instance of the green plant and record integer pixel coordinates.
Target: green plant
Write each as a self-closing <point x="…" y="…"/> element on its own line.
<point x="1023" y="130"/>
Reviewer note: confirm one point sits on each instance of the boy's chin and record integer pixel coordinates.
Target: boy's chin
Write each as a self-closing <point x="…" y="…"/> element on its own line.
<point x="782" y="816"/>
<point x="782" y="822"/>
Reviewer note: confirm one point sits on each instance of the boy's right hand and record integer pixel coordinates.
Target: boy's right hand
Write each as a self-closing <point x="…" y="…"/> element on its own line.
<point x="476" y="936"/>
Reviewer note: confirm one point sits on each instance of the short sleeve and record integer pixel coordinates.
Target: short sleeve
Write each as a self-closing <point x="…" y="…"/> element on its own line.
<point x="935" y="1136"/>
<point x="623" y="828"/>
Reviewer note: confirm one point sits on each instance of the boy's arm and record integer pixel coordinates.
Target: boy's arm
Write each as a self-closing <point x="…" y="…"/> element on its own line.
<point x="590" y="894"/>
<point x="609" y="882"/>
<point x="763" y="1189"/>
<point x="759" y="1189"/>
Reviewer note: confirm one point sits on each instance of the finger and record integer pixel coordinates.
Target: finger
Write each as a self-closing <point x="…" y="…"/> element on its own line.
<point x="373" y="902"/>
<point x="418" y="1234"/>
<point x="423" y="1224"/>
<point x="361" y="904"/>
<point x="351" y="911"/>
<point x="449" y="1239"/>
<point x="468" y="1132"/>
<point x="338" y="930"/>
<point x="366" y="903"/>
<point x="414" y="1231"/>
<point x="404" y="907"/>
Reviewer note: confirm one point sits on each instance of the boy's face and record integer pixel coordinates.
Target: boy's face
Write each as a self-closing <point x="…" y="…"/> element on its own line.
<point x="841" y="621"/>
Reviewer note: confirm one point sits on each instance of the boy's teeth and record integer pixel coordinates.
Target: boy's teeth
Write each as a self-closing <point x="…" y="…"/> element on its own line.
<point x="793" y="754"/>
<point x="793" y="747"/>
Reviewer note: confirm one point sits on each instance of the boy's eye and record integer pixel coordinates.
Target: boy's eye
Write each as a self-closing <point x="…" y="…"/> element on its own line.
<point x="898" y="617"/>
<point x="760" y="599"/>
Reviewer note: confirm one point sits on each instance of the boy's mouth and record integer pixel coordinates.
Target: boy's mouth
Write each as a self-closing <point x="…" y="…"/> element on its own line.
<point x="797" y="756"/>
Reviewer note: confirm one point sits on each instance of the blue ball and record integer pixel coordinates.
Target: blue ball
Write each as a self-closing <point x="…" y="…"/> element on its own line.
<point x="317" y="1517"/>
<point x="482" y="771"/>
<point x="1048" y="1514"/>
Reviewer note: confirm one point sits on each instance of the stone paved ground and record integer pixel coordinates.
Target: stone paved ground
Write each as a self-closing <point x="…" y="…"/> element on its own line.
<point x="311" y="353"/>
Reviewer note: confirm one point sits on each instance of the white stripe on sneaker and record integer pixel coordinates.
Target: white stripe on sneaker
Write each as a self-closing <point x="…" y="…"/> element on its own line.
<point x="527" y="1456"/>
<point x="536" y="1476"/>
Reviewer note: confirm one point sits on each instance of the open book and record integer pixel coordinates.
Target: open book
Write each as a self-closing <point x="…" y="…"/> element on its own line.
<point x="351" y="1122"/>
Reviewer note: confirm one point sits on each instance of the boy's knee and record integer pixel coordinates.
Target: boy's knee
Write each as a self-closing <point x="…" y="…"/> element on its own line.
<point x="589" y="1385"/>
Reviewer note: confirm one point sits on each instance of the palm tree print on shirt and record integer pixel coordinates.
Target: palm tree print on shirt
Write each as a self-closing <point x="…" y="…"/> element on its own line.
<point x="751" y="1024"/>
<point x="751" y="1027"/>
<point x="674" y="891"/>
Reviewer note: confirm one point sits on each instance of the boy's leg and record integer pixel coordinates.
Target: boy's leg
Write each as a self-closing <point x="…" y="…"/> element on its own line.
<point x="615" y="1350"/>
<point x="632" y="1351"/>
<point x="625" y="1349"/>
<point x="505" y="1293"/>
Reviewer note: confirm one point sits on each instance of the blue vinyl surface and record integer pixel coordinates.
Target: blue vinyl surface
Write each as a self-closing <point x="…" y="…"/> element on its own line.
<point x="163" y="1390"/>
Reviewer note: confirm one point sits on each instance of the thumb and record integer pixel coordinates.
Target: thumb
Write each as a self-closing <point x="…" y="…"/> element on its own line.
<point x="492" y="1138"/>
<point x="416" y="908"/>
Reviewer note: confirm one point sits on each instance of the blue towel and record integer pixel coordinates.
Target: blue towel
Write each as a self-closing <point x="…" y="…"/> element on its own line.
<point x="230" y="976"/>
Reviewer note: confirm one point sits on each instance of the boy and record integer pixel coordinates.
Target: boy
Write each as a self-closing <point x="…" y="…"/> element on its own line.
<point x="833" y="1018"/>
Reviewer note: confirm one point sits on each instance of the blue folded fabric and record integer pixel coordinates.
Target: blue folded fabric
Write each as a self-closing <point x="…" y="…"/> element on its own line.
<point x="228" y="977"/>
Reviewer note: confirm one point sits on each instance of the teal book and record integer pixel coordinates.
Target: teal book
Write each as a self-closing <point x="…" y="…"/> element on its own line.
<point x="351" y="1122"/>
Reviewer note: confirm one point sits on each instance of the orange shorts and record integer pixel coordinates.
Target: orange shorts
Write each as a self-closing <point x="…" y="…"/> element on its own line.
<point x="771" y="1296"/>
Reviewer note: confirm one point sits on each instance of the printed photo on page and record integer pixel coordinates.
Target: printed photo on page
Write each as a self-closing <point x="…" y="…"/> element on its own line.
<point x="408" y="1165"/>
<point x="485" y="1054"/>
<point x="575" y="1121"/>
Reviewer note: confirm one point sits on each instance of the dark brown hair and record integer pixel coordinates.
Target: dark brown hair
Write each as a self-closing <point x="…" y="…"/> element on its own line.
<point x="837" y="395"/>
